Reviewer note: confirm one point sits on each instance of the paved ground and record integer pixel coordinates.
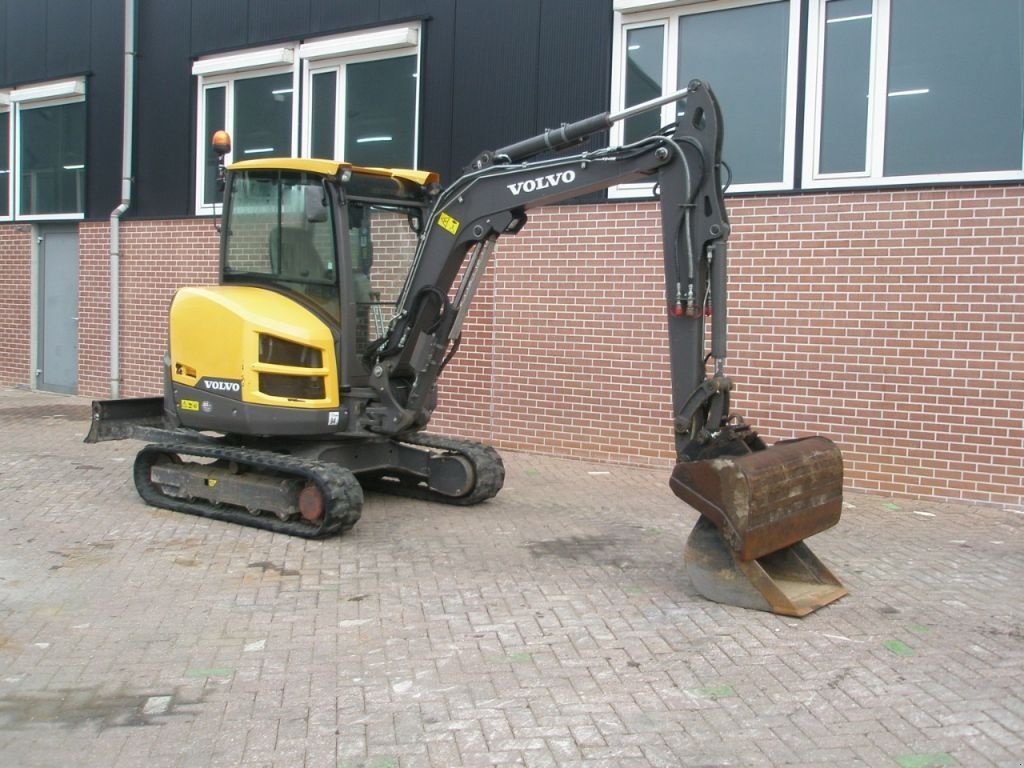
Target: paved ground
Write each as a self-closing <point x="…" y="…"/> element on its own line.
<point x="552" y="626"/>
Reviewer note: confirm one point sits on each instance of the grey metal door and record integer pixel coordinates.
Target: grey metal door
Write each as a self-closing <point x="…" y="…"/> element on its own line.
<point x="58" y="310"/>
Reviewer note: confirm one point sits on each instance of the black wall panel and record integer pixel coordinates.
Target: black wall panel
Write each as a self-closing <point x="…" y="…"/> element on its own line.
<point x="67" y="41"/>
<point x="334" y="15"/>
<point x="436" y="95"/>
<point x="408" y="9"/>
<point x="217" y="26"/>
<point x="4" y="32"/>
<point x="495" y="77"/>
<point x="26" y="41"/>
<point x="164" y="111"/>
<point x="104" y="33"/>
<point x="574" y="60"/>
<point x="272" y="20"/>
<point x="493" y="71"/>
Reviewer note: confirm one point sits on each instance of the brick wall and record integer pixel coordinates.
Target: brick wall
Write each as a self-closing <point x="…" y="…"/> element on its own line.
<point x="891" y="322"/>
<point x="894" y="322"/>
<point x="157" y="257"/>
<point x="15" y="303"/>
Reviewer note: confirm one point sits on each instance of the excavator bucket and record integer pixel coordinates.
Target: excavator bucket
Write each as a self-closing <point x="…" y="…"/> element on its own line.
<point x="756" y="509"/>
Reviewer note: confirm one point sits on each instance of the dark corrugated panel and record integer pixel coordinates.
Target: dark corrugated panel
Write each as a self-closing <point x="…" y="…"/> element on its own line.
<point x="436" y="95"/>
<point x="218" y="26"/>
<point x="104" y="33"/>
<point x="408" y="9"/>
<point x="575" y="54"/>
<point x="495" y="59"/>
<point x="164" y="111"/>
<point x="332" y="15"/>
<point x="493" y="72"/>
<point x="67" y="44"/>
<point x="5" y="28"/>
<point x="574" y="79"/>
<point x="271" y="20"/>
<point x="26" y="41"/>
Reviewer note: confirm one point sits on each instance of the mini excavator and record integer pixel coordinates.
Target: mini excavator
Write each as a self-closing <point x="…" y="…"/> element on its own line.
<point x="310" y="371"/>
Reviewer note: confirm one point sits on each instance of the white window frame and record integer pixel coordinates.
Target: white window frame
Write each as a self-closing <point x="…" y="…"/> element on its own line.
<point x="632" y="14"/>
<point x="873" y="176"/>
<point x="53" y="94"/>
<point x="224" y="72"/>
<point x="335" y="54"/>
<point x="7" y="177"/>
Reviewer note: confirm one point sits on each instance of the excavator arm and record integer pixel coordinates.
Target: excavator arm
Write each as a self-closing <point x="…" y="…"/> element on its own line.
<point x="492" y="199"/>
<point x="757" y="504"/>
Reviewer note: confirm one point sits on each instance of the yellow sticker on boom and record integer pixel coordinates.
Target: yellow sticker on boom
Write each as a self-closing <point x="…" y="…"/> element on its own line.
<point x="448" y="224"/>
<point x="190" y="405"/>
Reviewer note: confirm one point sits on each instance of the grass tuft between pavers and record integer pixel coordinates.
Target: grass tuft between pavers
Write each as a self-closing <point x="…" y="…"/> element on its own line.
<point x="932" y="760"/>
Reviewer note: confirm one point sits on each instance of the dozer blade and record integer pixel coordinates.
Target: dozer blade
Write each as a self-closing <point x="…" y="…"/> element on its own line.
<point x="124" y="419"/>
<point x="756" y="510"/>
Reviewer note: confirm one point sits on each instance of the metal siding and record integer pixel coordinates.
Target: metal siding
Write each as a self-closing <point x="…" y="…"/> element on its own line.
<point x="217" y="26"/>
<point x="574" y="69"/>
<point x="272" y="20"/>
<point x="408" y="9"/>
<point x="436" y="96"/>
<point x="26" y="41"/>
<point x="4" y="27"/>
<point x="574" y="63"/>
<point x="495" y="79"/>
<point x="330" y="15"/>
<point x="164" y="112"/>
<point x="67" y="44"/>
<point x="104" y="33"/>
<point x="491" y="73"/>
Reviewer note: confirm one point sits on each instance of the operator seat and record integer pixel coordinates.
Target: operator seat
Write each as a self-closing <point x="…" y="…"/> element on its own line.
<point x="293" y="253"/>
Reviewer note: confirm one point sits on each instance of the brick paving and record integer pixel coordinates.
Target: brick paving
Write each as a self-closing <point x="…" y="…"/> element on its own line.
<point x="551" y="626"/>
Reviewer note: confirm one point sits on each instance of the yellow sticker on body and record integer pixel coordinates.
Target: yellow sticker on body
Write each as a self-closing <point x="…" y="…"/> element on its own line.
<point x="190" y="405"/>
<point x="448" y="224"/>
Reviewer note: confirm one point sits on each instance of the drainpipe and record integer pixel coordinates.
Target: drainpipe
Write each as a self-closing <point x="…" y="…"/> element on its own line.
<point x="126" y="199"/>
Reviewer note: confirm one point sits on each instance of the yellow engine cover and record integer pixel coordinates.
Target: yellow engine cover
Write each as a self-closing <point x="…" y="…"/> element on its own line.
<point x="254" y="345"/>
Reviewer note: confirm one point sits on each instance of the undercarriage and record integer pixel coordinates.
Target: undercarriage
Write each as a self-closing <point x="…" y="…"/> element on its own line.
<point x="307" y="488"/>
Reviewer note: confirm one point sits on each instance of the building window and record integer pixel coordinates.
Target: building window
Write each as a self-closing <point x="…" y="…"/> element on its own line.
<point x="746" y="50"/>
<point x="42" y="137"/>
<point x="252" y="96"/>
<point x="363" y="97"/>
<point x="359" y="93"/>
<point x="914" y="91"/>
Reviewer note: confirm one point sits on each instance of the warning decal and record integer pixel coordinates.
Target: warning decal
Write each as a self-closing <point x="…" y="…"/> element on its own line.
<point x="447" y="223"/>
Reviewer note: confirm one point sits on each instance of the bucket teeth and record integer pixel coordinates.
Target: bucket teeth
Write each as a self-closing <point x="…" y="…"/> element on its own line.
<point x="789" y="582"/>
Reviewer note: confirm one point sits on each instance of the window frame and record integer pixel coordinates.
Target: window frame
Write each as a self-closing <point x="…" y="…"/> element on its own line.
<point x="6" y="115"/>
<point x="635" y="14"/>
<point x="224" y="72"/>
<point x="874" y="173"/>
<point x="301" y="60"/>
<point x="38" y="96"/>
<point x="334" y="54"/>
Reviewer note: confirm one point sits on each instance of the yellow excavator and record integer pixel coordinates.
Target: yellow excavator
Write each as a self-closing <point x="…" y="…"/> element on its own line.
<point x="310" y="371"/>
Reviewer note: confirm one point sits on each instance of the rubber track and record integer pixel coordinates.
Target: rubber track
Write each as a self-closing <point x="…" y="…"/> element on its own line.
<point x="487" y="465"/>
<point x="341" y="491"/>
